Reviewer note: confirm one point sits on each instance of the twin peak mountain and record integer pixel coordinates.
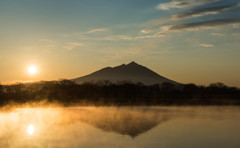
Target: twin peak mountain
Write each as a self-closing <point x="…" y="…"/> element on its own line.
<point x="131" y="72"/>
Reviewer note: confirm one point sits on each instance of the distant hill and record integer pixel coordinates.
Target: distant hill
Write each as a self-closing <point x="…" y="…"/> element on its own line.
<point x="132" y="72"/>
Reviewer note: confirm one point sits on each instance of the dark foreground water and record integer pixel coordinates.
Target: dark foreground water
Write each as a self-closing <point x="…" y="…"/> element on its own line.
<point x="123" y="127"/>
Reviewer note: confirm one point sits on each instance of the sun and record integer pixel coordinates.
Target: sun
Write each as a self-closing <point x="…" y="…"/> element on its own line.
<point x="30" y="129"/>
<point x="32" y="70"/>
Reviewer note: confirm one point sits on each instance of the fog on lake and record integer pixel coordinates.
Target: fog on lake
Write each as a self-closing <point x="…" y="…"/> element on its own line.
<point x="141" y="126"/>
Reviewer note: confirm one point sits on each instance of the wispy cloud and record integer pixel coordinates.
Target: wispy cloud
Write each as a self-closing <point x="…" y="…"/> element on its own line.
<point x="187" y="20"/>
<point x="97" y="30"/>
<point x="182" y="4"/>
<point x="195" y="12"/>
<point x="207" y="45"/>
<point x="147" y="30"/>
<point x="123" y="37"/>
<point x="118" y="37"/>
<point x="204" y="11"/>
<point x="172" y="4"/>
<point x="72" y="45"/>
<point x="204" y="24"/>
<point x="156" y="35"/>
<point x="158" y="31"/>
<point x="108" y="38"/>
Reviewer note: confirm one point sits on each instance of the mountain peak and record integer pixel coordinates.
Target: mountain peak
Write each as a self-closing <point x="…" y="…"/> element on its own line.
<point x="132" y="63"/>
<point x="132" y="72"/>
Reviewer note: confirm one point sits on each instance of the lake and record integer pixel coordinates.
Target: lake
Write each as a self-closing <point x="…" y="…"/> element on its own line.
<point x="120" y="127"/>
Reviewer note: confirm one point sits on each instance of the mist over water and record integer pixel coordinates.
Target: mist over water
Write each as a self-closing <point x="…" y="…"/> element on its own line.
<point x="141" y="126"/>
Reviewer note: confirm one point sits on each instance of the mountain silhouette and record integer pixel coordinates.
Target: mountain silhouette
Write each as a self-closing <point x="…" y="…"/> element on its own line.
<point x="131" y="72"/>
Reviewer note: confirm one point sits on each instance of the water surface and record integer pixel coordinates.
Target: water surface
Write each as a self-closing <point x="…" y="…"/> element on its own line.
<point x="137" y="127"/>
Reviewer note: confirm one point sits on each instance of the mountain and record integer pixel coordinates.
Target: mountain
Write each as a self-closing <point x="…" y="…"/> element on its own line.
<point x="132" y="72"/>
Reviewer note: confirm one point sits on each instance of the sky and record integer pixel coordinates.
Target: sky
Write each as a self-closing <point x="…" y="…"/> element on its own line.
<point x="189" y="41"/>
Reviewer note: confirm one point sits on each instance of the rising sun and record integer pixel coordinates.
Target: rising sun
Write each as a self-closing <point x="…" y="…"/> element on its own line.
<point x="32" y="70"/>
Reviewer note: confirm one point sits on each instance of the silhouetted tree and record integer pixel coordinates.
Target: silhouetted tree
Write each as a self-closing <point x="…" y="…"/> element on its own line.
<point x="105" y="92"/>
<point x="167" y="86"/>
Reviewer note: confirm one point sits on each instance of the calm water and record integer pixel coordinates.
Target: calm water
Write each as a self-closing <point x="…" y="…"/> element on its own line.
<point x="130" y="127"/>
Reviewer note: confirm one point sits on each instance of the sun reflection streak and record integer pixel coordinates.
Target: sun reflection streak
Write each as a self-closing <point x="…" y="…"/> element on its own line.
<point x="30" y="129"/>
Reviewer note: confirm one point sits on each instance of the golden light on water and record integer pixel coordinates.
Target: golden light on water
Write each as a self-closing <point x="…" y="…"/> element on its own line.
<point x="32" y="70"/>
<point x="30" y="129"/>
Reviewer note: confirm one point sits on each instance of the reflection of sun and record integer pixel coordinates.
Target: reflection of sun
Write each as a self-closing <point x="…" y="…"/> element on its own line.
<point x="32" y="70"/>
<point x="30" y="129"/>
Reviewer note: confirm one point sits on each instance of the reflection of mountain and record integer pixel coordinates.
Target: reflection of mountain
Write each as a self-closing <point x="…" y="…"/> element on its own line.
<point x="123" y="120"/>
<point x="131" y="72"/>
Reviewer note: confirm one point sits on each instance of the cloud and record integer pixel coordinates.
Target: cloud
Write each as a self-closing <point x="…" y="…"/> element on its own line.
<point x="218" y="34"/>
<point x="204" y="24"/>
<point x="109" y="38"/>
<point x="147" y="30"/>
<point x="72" y="45"/>
<point x="163" y="30"/>
<point x="204" y="11"/>
<point x="207" y="45"/>
<point x="173" y="4"/>
<point x="124" y="37"/>
<point x="195" y="12"/>
<point x="117" y="37"/>
<point x="182" y="4"/>
<point x="226" y="14"/>
<point x="156" y="35"/>
<point x="97" y="30"/>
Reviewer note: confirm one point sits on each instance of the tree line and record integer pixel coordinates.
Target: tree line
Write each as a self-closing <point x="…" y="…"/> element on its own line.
<point x="122" y="93"/>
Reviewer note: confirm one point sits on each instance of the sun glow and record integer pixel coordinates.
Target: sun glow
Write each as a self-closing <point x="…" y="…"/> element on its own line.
<point x="30" y="129"/>
<point x="32" y="70"/>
